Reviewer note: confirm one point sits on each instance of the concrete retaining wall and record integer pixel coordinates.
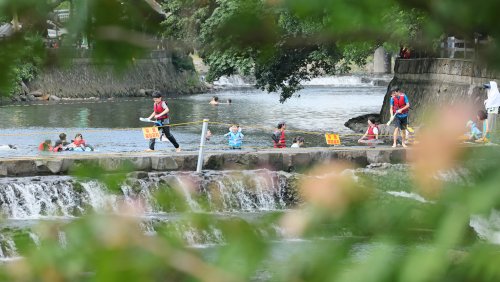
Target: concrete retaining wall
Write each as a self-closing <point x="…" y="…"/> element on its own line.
<point x="430" y="83"/>
<point x="278" y="160"/>
<point x="83" y="79"/>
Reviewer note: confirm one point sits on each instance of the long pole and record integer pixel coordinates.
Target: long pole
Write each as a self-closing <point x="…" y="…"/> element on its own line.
<point x="202" y="145"/>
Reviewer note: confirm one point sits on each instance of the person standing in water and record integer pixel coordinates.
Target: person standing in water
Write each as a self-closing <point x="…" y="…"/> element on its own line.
<point x="279" y="139"/>
<point x="161" y="114"/>
<point x="214" y="101"/>
<point x="399" y="107"/>
<point x="492" y="105"/>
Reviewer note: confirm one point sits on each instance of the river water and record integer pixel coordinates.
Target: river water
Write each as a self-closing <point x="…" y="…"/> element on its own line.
<point x="114" y="126"/>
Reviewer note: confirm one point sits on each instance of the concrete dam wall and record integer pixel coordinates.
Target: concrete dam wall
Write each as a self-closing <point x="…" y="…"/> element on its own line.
<point x="273" y="159"/>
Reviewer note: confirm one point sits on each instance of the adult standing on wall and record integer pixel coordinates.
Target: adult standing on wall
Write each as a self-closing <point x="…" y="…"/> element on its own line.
<point x="492" y="105"/>
<point x="161" y="114"/>
<point x="399" y="108"/>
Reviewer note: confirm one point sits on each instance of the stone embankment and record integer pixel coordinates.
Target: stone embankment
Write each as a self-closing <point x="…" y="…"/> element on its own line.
<point x="431" y="83"/>
<point x="274" y="159"/>
<point x="85" y="79"/>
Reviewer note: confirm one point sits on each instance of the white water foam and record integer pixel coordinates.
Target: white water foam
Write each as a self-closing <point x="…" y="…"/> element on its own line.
<point x="24" y="200"/>
<point x="335" y="81"/>
<point x="341" y="80"/>
<point x="487" y="228"/>
<point x="231" y="81"/>
<point x="413" y="196"/>
<point x="8" y="248"/>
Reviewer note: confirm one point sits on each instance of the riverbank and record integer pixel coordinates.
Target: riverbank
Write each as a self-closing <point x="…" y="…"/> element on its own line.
<point x="85" y="79"/>
<point x="272" y="159"/>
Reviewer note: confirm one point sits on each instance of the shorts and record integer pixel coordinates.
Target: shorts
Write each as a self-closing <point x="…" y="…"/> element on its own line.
<point x="401" y="122"/>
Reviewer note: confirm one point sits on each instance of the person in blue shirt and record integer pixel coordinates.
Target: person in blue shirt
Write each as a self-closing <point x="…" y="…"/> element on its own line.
<point x="399" y="107"/>
<point x="235" y="137"/>
<point x="474" y="132"/>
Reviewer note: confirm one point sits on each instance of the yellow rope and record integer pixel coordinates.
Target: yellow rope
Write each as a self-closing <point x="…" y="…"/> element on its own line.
<point x="296" y="131"/>
<point x="95" y="130"/>
<point x="186" y="124"/>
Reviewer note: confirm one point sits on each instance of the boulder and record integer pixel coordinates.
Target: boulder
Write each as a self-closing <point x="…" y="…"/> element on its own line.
<point x="15" y="98"/>
<point x="37" y="93"/>
<point x="54" y="98"/>
<point x="359" y="124"/>
<point x="24" y="88"/>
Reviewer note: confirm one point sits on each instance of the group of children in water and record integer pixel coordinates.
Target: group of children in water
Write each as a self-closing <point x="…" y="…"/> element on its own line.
<point x="235" y="137"/>
<point x="78" y="144"/>
<point x="398" y="110"/>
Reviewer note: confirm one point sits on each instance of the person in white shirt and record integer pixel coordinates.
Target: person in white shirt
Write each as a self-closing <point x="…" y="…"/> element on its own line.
<point x="298" y="142"/>
<point x="492" y="105"/>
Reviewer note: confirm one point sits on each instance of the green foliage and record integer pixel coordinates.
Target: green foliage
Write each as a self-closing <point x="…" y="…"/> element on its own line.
<point x="182" y="61"/>
<point x="354" y="232"/>
<point x="281" y="45"/>
<point x="281" y="42"/>
<point x="118" y="32"/>
<point x="21" y="61"/>
<point x="284" y="42"/>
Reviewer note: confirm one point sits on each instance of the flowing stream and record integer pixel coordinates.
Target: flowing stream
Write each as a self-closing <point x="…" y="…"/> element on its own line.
<point x="114" y="126"/>
<point x="162" y="199"/>
<point x="25" y="202"/>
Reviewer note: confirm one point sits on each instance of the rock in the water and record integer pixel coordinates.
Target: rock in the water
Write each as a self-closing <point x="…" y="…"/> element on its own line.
<point x="54" y="98"/>
<point x="37" y="93"/>
<point x="360" y="123"/>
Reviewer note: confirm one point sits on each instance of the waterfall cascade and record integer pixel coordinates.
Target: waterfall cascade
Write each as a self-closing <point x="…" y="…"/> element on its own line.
<point x="246" y="195"/>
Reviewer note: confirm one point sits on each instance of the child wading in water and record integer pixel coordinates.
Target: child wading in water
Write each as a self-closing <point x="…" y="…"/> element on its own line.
<point x="79" y="144"/>
<point x="161" y="114"/>
<point x="298" y="142"/>
<point x="45" y="146"/>
<point x="482" y="116"/>
<point x="371" y="135"/>
<point x="235" y="137"/>
<point x="474" y="132"/>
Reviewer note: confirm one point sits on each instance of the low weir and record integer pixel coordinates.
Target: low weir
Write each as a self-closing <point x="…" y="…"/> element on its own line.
<point x="273" y="159"/>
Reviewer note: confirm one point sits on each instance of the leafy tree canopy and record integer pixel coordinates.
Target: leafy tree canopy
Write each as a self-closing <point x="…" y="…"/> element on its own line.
<point x="281" y="42"/>
<point x="285" y="42"/>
